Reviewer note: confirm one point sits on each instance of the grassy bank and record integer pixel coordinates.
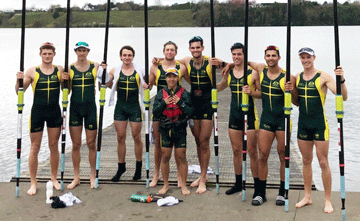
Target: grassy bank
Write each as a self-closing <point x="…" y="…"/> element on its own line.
<point x="159" y="18"/>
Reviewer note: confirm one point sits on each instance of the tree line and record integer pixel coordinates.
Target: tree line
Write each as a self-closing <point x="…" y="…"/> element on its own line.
<point x="231" y="13"/>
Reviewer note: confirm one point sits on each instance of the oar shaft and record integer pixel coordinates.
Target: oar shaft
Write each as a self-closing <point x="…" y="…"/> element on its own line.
<point x="147" y="95"/>
<point x="102" y="97"/>
<point x="214" y="98"/>
<point x="20" y="101"/>
<point x="65" y="98"/>
<point x="287" y="108"/>
<point x="339" y="112"/>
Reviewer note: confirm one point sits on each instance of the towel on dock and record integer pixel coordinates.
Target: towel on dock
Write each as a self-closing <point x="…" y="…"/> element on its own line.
<point x="196" y="169"/>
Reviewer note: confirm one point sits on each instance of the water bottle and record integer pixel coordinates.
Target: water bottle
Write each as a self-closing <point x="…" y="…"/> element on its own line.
<point x="49" y="191"/>
<point x="140" y="198"/>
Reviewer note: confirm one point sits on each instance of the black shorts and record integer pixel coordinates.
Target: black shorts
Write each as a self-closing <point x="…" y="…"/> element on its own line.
<point x="202" y="108"/>
<point x="127" y="112"/>
<point x="44" y="113"/>
<point x="83" y="111"/>
<point x="236" y="120"/>
<point x="170" y="139"/>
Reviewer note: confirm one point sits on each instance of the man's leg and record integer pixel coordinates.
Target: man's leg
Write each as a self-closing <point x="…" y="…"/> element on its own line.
<point x="280" y="138"/>
<point x="165" y="168"/>
<point x="204" y="139"/>
<point x="120" y="127"/>
<point x="236" y="139"/>
<point x="180" y="155"/>
<point x="91" y="143"/>
<point x="33" y="160"/>
<point x="252" y="150"/>
<point x="196" y="133"/>
<point x="75" y="133"/>
<point x="157" y="154"/>
<point x="322" y="152"/>
<point x="54" y="135"/>
<point x="136" y="134"/>
<point x="306" y="149"/>
<point x="265" y="140"/>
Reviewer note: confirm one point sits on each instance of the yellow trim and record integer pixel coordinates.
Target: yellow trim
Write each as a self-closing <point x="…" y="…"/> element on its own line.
<point x="158" y="74"/>
<point x="36" y="79"/>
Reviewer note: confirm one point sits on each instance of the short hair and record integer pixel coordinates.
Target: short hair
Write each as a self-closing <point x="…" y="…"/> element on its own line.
<point x="272" y="48"/>
<point x="127" y="47"/>
<point x="47" y="45"/>
<point x="237" y="45"/>
<point x="196" y="39"/>
<point x="170" y="43"/>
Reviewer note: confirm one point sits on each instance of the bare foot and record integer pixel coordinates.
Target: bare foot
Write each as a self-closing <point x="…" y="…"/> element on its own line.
<point x="154" y="181"/>
<point x="32" y="190"/>
<point x="185" y="191"/>
<point x="201" y="189"/>
<point x="92" y="182"/>
<point x="195" y="183"/>
<point x="73" y="184"/>
<point x="56" y="185"/>
<point x="305" y="201"/>
<point x="164" y="190"/>
<point x="328" y="207"/>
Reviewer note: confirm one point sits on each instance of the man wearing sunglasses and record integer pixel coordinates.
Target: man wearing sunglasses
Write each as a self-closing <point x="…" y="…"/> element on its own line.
<point x="83" y="110"/>
<point x="272" y="125"/>
<point x="45" y="80"/>
<point x="313" y="129"/>
<point x="157" y="77"/>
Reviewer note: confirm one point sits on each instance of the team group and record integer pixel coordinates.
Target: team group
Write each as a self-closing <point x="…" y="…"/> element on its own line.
<point x="174" y="106"/>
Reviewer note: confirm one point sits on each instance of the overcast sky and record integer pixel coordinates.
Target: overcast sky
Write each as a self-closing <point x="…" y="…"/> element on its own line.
<point x="45" y="4"/>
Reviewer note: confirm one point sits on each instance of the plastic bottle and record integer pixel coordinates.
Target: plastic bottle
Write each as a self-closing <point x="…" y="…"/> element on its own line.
<point x="141" y="198"/>
<point x="49" y="191"/>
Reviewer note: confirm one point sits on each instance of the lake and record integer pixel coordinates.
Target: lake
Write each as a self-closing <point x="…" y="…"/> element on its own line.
<point x="321" y="39"/>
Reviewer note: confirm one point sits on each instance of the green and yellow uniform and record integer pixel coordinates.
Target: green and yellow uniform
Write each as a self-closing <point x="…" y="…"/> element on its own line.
<point x="82" y="101"/>
<point x="272" y="95"/>
<point x="236" y="117"/>
<point x="127" y="104"/>
<point x="201" y="86"/>
<point x="45" y="107"/>
<point x="312" y="123"/>
<point x="160" y="81"/>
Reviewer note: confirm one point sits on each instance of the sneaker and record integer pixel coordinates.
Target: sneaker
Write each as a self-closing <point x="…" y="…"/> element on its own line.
<point x="233" y="190"/>
<point x="258" y="200"/>
<point x="280" y="200"/>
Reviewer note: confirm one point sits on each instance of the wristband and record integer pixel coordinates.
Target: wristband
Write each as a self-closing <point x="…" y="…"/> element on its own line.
<point x="343" y="81"/>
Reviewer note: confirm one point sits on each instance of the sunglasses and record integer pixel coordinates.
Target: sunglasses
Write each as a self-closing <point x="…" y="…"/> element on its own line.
<point x="272" y="47"/>
<point x="196" y="38"/>
<point x="47" y="44"/>
<point x="81" y="43"/>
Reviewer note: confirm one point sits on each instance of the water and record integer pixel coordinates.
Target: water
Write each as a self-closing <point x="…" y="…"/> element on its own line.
<point x="319" y="38"/>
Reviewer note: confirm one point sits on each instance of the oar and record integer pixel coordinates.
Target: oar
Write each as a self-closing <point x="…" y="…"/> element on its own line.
<point x="147" y="95"/>
<point x="245" y="100"/>
<point x="65" y="97"/>
<point x="287" y="109"/>
<point x="20" y="100"/>
<point x="339" y="114"/>
<point x="102" y="97"/>
<point x="214" y="99"/>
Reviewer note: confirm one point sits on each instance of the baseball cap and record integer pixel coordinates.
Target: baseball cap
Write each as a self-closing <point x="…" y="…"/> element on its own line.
<point x="172" y="71"/>
<point x="307" y="51"/>
<point x="81" y="44"/>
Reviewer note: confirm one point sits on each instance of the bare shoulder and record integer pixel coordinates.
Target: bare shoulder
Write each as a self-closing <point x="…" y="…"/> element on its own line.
<point x="96" y="64"/>
<point x="186" y="60"/>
